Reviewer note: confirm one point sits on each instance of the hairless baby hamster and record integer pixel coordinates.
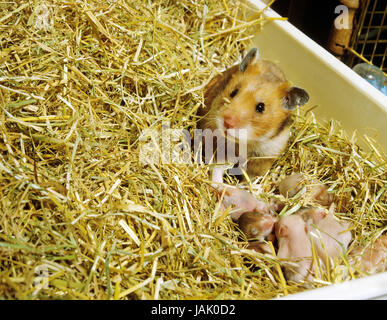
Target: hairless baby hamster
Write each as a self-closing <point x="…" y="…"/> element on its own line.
<point x="293" y="184"/>
<point x="331" y="236"/>
<point x="242" y="201"/>
<point x="294" y="245"/>
<point x="254" y="96"/>
<point x="373" y="257"/>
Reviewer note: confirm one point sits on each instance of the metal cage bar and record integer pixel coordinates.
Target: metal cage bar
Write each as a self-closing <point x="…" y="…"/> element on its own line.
<point x="369" y="37"/>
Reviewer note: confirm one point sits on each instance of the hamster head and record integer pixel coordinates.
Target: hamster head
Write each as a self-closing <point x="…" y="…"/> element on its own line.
<point x="256" y="225"/>
<point x="292" y="226"/>
<point x="256" y="97"/>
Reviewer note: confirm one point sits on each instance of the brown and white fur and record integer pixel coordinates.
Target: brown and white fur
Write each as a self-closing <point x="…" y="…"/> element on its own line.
<point x="255" y="96"/>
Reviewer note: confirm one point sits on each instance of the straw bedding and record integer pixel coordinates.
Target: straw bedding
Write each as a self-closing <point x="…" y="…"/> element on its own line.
<point x="82" y="217"/>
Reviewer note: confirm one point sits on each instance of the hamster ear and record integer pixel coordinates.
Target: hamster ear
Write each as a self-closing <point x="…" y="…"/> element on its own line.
<point x="318" y="214"/>
<point x="295" y="97"/>
<point x="283" y="231"/>
<point x="251" y="57"/>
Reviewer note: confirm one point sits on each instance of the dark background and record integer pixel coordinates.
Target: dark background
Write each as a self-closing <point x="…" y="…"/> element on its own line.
<point x="313" y="17"/>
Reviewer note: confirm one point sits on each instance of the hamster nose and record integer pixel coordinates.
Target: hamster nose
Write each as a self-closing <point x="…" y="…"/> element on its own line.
<point x="229" y="121"/>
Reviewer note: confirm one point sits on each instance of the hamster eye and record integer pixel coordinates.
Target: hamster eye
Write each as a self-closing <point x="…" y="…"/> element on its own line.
<point x="260" y="107"/>
<point x="234" y="93"/>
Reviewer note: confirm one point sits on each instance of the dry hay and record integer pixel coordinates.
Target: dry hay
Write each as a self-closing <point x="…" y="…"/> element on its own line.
<point x="79" y="82"/>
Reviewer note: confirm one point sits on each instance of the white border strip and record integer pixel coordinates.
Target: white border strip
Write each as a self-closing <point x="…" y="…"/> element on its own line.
<point x="370" y="287"/>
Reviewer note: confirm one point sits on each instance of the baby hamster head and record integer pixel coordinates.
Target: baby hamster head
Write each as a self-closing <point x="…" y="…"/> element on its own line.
<point x="256" y="225"/>
<point x="255" y="96"/>
<point x="292" y="226"/>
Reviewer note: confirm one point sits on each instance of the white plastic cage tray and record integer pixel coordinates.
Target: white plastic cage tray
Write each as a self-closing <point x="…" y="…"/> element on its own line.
<point x="340" y="94"/>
